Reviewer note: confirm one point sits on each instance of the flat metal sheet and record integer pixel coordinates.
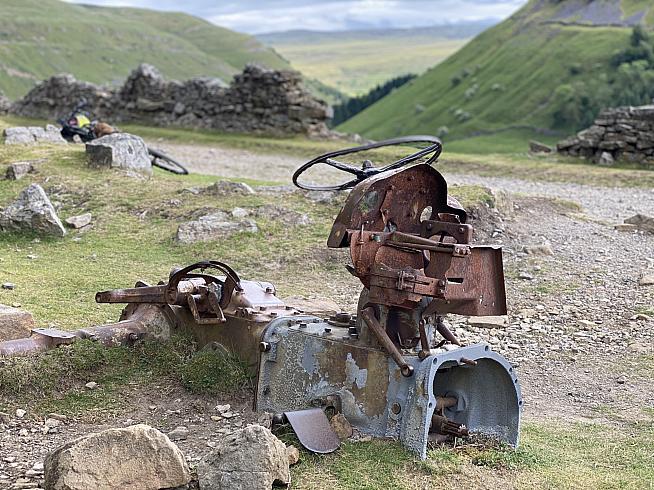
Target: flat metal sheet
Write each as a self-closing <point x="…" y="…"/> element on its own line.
<point x="314" y="430"/>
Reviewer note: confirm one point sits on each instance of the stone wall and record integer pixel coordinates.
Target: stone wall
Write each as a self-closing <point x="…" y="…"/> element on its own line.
<point x="257" y="101"/>
<point x="622" y="133"/>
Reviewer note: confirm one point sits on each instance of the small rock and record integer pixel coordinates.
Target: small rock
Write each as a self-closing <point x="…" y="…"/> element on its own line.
<point x="606" y="159"/>
<point x="225" y="187"/>
<point x="79" y="221"/>
<point x="625" y="227"/>
<point x="20" y="413"/>
<point x="91" y="385"/>
<point x="239" y="213"/>
<point x="646" y="280"/>
<point x="341" y="426"/>
<point x="642" y="317"/>
<point x="538" y="147"/>
<point x="213" y="226"/>
<point x="32" y="211"/>
<point x="641" y="222"/>
<point x="134" y="457"/>
<point x="18" y="170"/>
<point x="542" y="249"/>
<point x="621" y="380"/>
<point x="525" y="275"/>
<point x="488" y="321"/>
<point x="14" y="323"/>
<point x="293" y="454"/>
<point x="223" y="408"/>
<point x="179" y="434"/>
<point x="8" y="285"/>
<point x="50" y="423"/>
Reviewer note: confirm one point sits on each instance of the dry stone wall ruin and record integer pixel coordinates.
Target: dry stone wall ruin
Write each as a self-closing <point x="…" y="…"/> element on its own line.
<point x="257" y="101"/>
<point x="622" y="133"/>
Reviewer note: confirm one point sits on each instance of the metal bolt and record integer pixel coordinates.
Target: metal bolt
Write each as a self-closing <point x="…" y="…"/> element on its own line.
<point x="264" y="346"/>
<point x="396" y="408"/>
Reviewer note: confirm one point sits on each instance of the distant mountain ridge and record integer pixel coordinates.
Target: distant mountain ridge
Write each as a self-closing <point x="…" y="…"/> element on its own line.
<point x="520" y="73"/>
<point x="40" y="38"/>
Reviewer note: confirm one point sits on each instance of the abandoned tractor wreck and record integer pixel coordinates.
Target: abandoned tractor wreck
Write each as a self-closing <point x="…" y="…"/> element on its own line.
<point x="393" y="369"/>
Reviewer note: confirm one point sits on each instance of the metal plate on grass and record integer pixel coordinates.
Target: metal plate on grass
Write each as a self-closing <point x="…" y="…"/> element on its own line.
<point x="314" y="430"/>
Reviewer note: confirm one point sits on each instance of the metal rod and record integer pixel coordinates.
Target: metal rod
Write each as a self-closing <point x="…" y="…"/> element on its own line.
<point x="368" y="316"/>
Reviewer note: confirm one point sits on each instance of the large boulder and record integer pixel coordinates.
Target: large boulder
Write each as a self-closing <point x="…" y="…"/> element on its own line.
<point x="32" y="211"/>
<point x="33" y="135"/>
<point x="248" y="459"/>
<point x="212" y="226"/>
<point x="137" y="457"/>
<point x="15" y="323"/>
<point x="120" y="150"/>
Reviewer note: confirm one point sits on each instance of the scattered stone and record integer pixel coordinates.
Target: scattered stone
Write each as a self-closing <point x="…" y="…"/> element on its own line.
<point x="120" y="150"/>
<point x="79" y="221"/>
<point x="213" y="226"/>
<point x="8" y="285"/>
<point x="542" y="249"/>
<point x="91" y="385"/>
<point x="134" y="457"/>
<point x="286" y="216"/>
<point x="646" y="280"/>
<point x="341" y="426"/>
<point x="226" y="187"/>
<point x="18" y="170"/>
<point x="641" y="317"/>
<point x="32" y="211"/>
<point x="239" y="213"/>
<point x="625" y="227"/>
<point x="293" y="454"/>
<point x="606" y="159"/>
<point x="179" y="433"/>
<point x="641" y="222"/>
<point x="621" y="380"/>
<point x="50" y="423"/>
<point x="57" y="416"/>
<point x="488" y="321"/>
<point x="538" y="147"/>
<point x="15" y="323"/>
<point x="20" y="413"/>
<point x="33" y="135"/>
<point x="248" y="459"/>
<point x="223" y="408"/>
<point x="525" y="275"/>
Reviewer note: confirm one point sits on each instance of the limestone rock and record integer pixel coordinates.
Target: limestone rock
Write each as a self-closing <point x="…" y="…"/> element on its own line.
<point x="137" y="457"/>
<point x="248" y="459"/>
<point x="285" y="216"/>
<point x="15" y="323"/>
<point x="33" y="135"/>
<point x="488" y="321"/>
<point x="32" y="211"/>
<point x="642" y="222"/>
<point x="79" y="221"/>
<point x="606" y="159"/>
<point x="542" y="249"/>
<point x="213" y="226"/>
<point x="293" y="454"/>
<point x="120" y="150"/>
<point x="226" y="187"/>
<point x="18" y="170"/>
<point x="538" y="147"/>
<point x="341" y="426"/>
<point x="646" y="280"/>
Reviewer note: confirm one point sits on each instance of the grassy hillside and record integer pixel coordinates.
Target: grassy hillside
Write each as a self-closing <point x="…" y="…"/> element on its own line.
<point x="506" y="77"/>
<point x="39" y="38"/>
<point x="356" y="61"/>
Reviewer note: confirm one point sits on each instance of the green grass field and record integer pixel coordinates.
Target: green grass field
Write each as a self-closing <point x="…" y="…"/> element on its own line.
<point x="39" y="38"/>
<point x="504" y="78"/>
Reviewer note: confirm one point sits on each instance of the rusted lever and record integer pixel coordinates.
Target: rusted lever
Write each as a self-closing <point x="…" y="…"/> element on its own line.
<point x="368" y="315"/>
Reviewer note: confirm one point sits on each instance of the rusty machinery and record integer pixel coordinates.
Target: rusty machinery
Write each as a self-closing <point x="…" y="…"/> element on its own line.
<point x="393" y="368"/>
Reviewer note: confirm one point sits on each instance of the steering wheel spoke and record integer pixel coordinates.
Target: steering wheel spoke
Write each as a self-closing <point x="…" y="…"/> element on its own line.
<point x="433" y="149"/>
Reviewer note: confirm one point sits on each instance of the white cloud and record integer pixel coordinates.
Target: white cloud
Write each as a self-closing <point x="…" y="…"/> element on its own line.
<point x="256" y="16"/>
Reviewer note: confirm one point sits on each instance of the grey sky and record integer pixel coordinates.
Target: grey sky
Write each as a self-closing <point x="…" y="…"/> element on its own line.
<point x="256" y="16"/>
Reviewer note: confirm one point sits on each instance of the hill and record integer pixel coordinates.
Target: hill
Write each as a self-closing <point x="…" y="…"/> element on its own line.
<point x="39" y="38"/>
<point x="355" y="61"/>
<point x="514" y="76"/>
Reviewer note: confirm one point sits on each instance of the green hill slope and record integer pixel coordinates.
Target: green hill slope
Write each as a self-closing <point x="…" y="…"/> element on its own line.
<point x="506" y="78"/>
<point x="356" y="61"/>
<point x="39" y="38"/>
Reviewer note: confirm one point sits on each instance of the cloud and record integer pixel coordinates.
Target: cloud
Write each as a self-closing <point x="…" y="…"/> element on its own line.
<point x="256" y="16"/>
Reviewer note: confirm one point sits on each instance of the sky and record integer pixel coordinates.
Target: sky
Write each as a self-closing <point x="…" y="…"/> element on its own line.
<point x="258" y="16"/>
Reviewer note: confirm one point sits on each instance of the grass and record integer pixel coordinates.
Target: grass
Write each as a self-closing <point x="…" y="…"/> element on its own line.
<point x="54" y="381"/>
<point x="506" y="78"/>
<point x="40" y="38"/>
<point x="561" y="456"/>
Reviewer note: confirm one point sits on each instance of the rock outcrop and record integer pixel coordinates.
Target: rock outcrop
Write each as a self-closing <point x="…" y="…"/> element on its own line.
<point x="31" y="135"/>
<point x="248" y="459"/>
<point x="257" y="101"/>
<point x="622" y="133"/>
<point x="32" y="212"/>
<point x="137" y="457"/>
<point x="120" y="150"/>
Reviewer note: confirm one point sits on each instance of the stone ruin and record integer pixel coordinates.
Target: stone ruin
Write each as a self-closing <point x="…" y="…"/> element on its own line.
<point x="258" y="100"/>
<point x="621" y="133"/>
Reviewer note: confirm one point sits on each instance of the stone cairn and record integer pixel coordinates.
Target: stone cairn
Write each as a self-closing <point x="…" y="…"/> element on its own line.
<point x="258" y="100"/>
<point x="622" y="133"/>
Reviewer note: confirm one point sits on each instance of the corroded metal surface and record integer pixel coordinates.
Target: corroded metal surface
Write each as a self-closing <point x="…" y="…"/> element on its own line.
<point x="313" y="430"/>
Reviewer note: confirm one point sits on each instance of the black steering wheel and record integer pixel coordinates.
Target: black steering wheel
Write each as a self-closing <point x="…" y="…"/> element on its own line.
<point x="367" y="169"/>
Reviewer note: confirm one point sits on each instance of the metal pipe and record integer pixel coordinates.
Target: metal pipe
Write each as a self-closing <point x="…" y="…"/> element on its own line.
<point x="368" y="315"/>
